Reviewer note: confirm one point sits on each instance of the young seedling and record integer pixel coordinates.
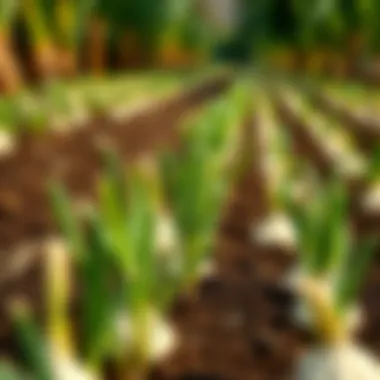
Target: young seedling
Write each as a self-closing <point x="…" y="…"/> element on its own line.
<point x="198" y="176"/>
<point x="51" y="354"/>
<point x="124" y="282"/>
<point x="328" y="280"/>
<point x="332" y="139"/>
<point x="127" y="285"/>
<point x="280" y="175"/>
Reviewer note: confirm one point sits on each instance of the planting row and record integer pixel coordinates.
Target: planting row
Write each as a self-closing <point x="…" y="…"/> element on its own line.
<point x="65" y="106"/>
<point x="339" y="231"/>
<point x="149" y="235"/>
<point x="280" y="202"/>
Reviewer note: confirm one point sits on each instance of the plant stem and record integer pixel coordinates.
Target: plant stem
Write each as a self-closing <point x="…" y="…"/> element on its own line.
<point x="58" y="294"/>
<point x="328" y="322"/>
<point x="10" y="76"/>
<point x="44" y="50"/>
<point x="134" y="365"/>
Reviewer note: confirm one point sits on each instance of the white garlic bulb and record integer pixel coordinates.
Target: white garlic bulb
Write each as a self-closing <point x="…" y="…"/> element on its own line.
<point x="275" y="231"/>
<point x="337" y="362"/>
<point x="167" y="241"/>
<point x="7" y="143"/>
<point x="161" y="338"/>
<point x="65" y="368"/>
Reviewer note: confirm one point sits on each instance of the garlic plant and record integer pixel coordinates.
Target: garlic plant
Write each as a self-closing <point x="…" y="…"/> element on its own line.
<point x="63" y="107"/>
<point x="127" y="236"/>
<point x="370" y="201"/>
<point x="327" y="281"/>
<point x="337" y="144"/>
<point x="197" y="177"/>
<point x="361" y="101"/>
<point x="119" y="252"/>
<point x="285" y="176"/>
<point x="276" y="230"/>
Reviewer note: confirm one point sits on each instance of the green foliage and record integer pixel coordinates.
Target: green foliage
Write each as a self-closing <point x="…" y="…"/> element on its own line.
<point x="197" y="177"/>
<point x="72" y="18"/>
<point x="62" y="21"/>
<point x="33" y="346"/>
<point x="327" y="250"/>
<point x="115" y="252"/>
<point x="374" y="166"/>
<point x="8" y="10"/>
<point x="9" y="372"/>
<point x="38" y="21"/>
<point x="353" y="271"/>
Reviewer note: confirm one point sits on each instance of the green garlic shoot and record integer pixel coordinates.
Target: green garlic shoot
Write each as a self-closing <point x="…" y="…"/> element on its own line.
<point x="328" y="280"/>
<point x="197" y="177"/>
<point x="127" y="282"/>
<point x="279" y="171"/>
<point x="371" y="198"/>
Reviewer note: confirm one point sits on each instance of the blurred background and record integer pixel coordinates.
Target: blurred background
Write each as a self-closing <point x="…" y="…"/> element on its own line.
<point x="42" y="38"/>
<point x="148" y="188"/>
